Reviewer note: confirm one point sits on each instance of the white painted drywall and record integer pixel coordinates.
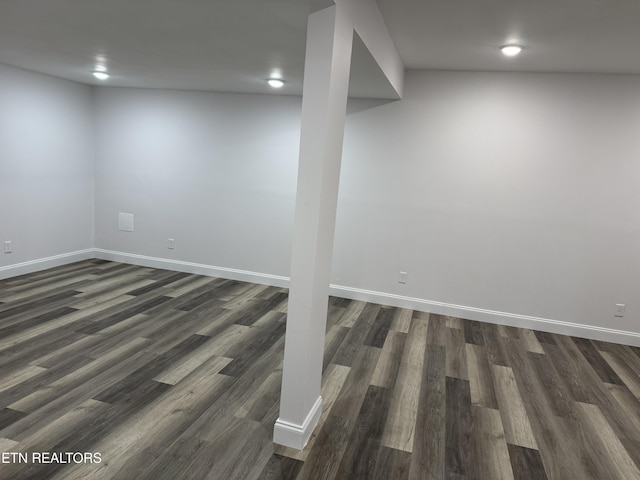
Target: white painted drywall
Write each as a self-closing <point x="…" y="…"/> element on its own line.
<point x="513" y="193"/>
<point x="215" y="172"/>
<point x="517" y="193"/>
<point x="46" y="166"/>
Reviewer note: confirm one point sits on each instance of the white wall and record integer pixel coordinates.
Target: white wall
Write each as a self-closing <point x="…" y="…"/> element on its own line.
<point x="46" y="167"/>
<point x="506" y="197"/>
<point x="216" y="172"/>
<point x="514" y="193"/>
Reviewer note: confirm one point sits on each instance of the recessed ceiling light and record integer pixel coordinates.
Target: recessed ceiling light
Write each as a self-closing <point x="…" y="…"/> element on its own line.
<point x="511" y="50"/>
<point x="100" y="75"/>
<point x="275" y="83"/>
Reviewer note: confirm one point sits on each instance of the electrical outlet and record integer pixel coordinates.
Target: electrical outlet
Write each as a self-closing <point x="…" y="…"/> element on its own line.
<point x="171" y="244"/>
<point x="7" y="246"/>
<point x="620" y="308"/>
<point x="402" y="278"/>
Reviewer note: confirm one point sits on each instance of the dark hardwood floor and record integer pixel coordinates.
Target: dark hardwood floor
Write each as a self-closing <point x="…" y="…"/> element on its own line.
<point x="167" y="375"/>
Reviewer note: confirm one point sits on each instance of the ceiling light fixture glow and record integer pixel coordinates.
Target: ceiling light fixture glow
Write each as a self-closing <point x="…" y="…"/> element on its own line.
<point x="100" y="75"/>
<point x="510" y="50"/>
<point x="275" y="83"/>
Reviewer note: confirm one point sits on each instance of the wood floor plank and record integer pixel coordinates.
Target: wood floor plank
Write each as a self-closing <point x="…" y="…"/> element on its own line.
<point x="358" y="460"/>
<point x="624" y="372"/>
<point x="555" y="391"/>
<point x="560" y="456"/>
<point x="480" y="376"/>
<point x="544" y="337"/>
<point x="378" y="332"/>
<point x="259" y="403"/>
<point x="596" y="391"/>
<point x="473" y="332"/>
<point x="627" y="410"/>
<point x="220" y="321"/>
<point x="454" y="322"/>
<point x="281" y="468"/>
<point x="508" y="331"/>
<point x="7" y="445"/>
<point x="334" y="314"/>
<point x="609" y="453"/>
<point x="354" y="389"/>
<point x="460" y="449"/>
<point x="456" y="361"/>
<point x="526" y="463"/>
<point x="492" y="452"/>
<point x="514" y="416"/>
<point x="630" y="356"/>
<point x="402" y="320"/>
<point x="188" y="285"/>
<point x="258" y="308"/>
<point x="256" y="452"/>
<point x="252" y="350"/>
<point x="400" y="428"/>
<point x="250" y="292"/>
<point x="352" y="313"/>
<point x="168" y="280"/>
<point x="333" y="341"/>
<point x="392" y="463"/>
<point x="9" y="416"/>
<point x="388" y="364"/>
<point x="354" y="340"/>
<point x="437" y="333"/>
<point x="428" y="457"/>
<point x="601" y="367"/>
<point x="188" y="364"/>
<point x="19" y="375"/>
<point x="269" y="317"/>
<point x="633" y="449"/>
<point x="530" y="341"/>
<point x="570" y="374"/>
<point x="494" y="348"/>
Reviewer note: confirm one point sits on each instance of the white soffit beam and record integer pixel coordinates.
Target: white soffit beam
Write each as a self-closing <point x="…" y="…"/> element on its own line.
<point x="369" y="25"/>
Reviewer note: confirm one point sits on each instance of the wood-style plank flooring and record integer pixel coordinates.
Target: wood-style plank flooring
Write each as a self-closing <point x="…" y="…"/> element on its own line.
<point x="174" y="376"/>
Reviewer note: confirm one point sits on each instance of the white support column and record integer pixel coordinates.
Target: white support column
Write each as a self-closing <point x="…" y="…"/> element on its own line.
<point x="324" y="102"/>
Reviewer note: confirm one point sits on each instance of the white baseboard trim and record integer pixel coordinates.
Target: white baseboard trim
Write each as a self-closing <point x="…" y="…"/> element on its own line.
<point x="471" y="313"/>
<point x="32" y="266"/>
<point x="296" y="436"/>
<point x="195" y="268"/>
<point x="490" y="316"/>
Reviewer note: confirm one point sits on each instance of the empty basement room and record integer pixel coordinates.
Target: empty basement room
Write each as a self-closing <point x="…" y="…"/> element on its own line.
<point x="319" y="239"/>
